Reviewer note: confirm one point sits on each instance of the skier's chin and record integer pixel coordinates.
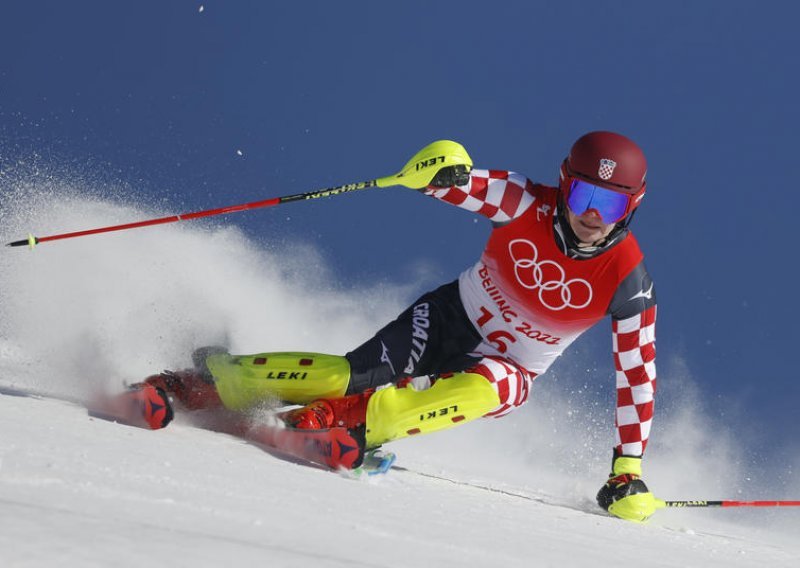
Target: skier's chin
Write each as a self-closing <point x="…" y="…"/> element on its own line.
<point x="587" y="234"/>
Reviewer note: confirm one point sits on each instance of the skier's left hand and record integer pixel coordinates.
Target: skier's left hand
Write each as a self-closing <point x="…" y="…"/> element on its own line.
<point x="625" y="495"/>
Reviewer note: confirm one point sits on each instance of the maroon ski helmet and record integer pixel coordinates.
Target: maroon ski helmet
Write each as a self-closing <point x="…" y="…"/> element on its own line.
<point x="609" y="160"/>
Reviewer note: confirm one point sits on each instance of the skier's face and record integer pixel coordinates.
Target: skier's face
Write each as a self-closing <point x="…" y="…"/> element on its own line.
<point x="589" y="227"/>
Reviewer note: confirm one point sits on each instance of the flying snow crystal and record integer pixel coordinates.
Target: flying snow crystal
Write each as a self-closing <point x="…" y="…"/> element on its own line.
<point x="239" y="153"/>
<point x="201" y="8"/>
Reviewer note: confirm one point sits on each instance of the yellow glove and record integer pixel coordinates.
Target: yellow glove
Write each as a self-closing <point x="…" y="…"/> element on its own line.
<point x="625" y="495"/>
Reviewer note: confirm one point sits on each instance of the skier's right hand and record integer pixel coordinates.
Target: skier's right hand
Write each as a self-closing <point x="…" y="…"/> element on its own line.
<point x="443" y="158"/>
<point x="450" y="176"/>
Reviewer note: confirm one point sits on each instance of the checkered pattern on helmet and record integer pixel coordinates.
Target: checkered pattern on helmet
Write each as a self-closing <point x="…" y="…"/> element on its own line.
<point x="499" y="195"/>
<point x="511" y="382"/>
<point x="634" y="358"/>
<point x="606" y="169"/>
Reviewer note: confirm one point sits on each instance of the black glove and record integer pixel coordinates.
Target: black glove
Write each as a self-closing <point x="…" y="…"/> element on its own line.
<point x="450" y="176"/>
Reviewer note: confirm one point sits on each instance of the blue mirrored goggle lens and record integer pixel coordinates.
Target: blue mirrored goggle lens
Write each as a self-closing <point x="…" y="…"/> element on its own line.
<point x="611" y="205"/>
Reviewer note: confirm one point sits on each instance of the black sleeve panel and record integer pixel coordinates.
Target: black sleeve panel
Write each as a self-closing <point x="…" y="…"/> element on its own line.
<point x="634" y="295"/>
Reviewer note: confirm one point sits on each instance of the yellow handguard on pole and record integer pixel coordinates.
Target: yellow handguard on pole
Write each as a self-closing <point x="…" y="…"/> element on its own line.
<point x="637" y="507"/>
<point x="423" y="167"/>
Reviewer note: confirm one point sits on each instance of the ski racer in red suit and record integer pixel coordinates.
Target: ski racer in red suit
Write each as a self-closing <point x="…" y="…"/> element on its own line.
<point x="559" y="259"/>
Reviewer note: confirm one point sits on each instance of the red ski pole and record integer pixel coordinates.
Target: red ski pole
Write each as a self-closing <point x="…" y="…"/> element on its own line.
<point x="416" y="174"/>
<point x="731" y="503"/>
<point x="32" y="241"/>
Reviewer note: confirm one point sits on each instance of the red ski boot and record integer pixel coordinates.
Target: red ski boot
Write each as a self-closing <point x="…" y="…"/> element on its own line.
<point x="347" y="412"/>
<point x="327" y="431"/>
<point x="315" y="416"/>
<point x="147" y="405"/>
<point x="190" y="388"/>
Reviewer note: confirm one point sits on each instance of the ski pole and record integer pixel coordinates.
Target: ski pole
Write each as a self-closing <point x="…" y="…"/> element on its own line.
<point x="728" y="503"/>
<point x="416" y="174"/>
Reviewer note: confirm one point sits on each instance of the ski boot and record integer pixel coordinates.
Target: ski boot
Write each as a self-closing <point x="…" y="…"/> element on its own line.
<point x="346" y="412"/>
<point x="147" y="404"/>
<point x="190" y="388"/>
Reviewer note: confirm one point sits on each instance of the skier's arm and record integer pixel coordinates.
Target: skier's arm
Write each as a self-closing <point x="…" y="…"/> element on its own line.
<point x="498" y="195"/>
<point x="625" y="495"/>
<point x="633" y="321"/>
<point x="634" y="359"/>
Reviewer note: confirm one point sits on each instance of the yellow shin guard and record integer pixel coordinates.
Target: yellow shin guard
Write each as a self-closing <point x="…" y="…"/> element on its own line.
<point x="245" y="380"/>
<point x="394" y="413"/>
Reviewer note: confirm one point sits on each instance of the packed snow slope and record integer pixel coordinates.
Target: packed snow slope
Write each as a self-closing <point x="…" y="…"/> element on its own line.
<point x="96" y="313"/>
<point x="76" y="491"/>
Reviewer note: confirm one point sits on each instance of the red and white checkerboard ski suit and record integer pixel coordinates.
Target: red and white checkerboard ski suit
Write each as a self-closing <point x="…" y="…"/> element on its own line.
<point x="529" y="300"/>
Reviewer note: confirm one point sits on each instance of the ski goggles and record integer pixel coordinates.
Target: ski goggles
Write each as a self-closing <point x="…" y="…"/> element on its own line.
<point x="611" y="205"/>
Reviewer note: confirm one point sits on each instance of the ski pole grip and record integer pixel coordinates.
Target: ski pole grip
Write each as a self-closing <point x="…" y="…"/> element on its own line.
<point x="425" y="164"/>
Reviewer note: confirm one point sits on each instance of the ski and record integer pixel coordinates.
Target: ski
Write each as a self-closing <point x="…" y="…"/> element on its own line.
<point x="129" y="407"/>
<point x="337" y="449"/>
<point x="146" y="407"/>
<point x="334" y="448"/>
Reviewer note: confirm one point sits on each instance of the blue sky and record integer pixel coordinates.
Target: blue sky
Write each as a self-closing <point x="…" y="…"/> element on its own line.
<point x="162" y="96"/>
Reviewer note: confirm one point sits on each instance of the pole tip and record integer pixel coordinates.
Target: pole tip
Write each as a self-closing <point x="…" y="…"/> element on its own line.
<point x="31" y="241"/>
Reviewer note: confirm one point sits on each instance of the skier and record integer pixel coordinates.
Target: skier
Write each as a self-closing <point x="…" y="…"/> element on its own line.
<point x="558" y="260"/>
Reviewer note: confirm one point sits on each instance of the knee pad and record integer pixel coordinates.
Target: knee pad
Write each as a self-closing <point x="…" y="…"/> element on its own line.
<point x="394" y="413"/>
<point x="246" y="380"/>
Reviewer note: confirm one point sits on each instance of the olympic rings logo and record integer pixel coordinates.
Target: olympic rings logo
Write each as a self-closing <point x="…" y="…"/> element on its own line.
<point x="548" y="277"/>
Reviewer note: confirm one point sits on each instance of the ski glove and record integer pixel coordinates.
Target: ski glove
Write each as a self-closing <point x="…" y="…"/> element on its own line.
<point x="625" y="495"/>
<point x="450" y="176"/>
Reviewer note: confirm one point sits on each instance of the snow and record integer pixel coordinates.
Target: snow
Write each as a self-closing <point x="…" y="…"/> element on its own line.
<point x="77" y="316"/>
<point x="78" y="491"/>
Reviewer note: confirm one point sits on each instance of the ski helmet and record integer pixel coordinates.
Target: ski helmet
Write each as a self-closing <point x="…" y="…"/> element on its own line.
<point x="609" y="161"/>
